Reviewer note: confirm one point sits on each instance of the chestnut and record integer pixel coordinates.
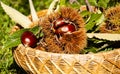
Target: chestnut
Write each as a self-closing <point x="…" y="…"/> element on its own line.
<point x="68" y="28"/>
<point x="58" y="23"/>
<point x="28" y="39"/>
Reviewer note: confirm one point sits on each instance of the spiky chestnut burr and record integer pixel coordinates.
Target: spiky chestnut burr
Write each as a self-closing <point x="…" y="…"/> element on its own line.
<point x="112" y="23"/>
<point x="73" y="42"/>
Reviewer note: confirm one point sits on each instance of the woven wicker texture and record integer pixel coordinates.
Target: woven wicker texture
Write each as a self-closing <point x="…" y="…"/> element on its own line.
<point x="37" y="62"/>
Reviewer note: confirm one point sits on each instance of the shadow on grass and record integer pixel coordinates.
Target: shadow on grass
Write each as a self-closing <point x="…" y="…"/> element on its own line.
<point x="18" y="69"/>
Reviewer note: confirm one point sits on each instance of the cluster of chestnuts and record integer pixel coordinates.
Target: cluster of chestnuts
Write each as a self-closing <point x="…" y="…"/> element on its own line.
<point x="62" y="26"/>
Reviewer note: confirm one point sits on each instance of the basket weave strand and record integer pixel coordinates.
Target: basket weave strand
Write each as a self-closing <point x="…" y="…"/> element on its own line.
<point x="37" y="62"/>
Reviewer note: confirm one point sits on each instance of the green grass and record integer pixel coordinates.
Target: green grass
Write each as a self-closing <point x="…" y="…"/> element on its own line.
<point x="7" y="63"/>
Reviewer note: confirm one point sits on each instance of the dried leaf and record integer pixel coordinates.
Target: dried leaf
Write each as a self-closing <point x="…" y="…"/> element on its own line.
<point x="15" y="15"/>
<point x="105" y="36"/>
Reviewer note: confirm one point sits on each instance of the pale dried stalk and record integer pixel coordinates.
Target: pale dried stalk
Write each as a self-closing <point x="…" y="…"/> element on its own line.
<point x="88" y="6"/>
<point x="35" y="18"/>
<point x="54" y="6"/>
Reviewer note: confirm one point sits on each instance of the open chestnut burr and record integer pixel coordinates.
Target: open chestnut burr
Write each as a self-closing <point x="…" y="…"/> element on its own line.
<point x="64" y="31"/>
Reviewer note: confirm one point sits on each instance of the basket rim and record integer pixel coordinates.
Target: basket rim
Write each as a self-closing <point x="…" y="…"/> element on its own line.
<point x="52" y="53"/>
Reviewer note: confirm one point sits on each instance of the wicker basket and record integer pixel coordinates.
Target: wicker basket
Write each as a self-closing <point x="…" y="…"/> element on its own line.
<point x="40" y="62"/>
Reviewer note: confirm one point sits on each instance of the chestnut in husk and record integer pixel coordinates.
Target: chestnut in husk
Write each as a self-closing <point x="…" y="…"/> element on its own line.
<point x="68" y="29"/>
